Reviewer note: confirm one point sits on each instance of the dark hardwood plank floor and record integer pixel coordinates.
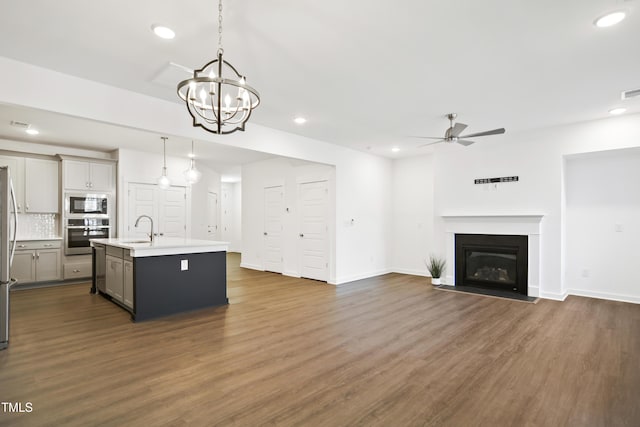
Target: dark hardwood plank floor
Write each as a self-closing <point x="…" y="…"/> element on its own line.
<point x="386" y="351"/>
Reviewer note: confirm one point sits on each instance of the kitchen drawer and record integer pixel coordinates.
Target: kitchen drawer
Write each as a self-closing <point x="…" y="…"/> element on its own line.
<point x="114" y="251"/>
<point x="37" y="244"/>
<point x="77" y="270"/>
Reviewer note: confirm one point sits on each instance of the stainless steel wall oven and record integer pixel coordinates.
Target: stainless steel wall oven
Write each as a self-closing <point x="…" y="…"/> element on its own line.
<point x="78" y="232"/>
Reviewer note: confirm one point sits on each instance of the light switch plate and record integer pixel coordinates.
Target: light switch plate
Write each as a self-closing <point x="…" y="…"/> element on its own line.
<point x="184" y="264"/>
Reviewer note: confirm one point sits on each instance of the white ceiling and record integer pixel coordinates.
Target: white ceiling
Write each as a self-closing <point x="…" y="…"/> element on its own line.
<point x="365" y="73"/>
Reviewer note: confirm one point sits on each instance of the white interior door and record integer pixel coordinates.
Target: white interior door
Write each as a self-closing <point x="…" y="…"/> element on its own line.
<point x="173" y="212"/>
<point x="142" y="201"/>
<point x="273" y="209"/>
<point x="226" y="226"/>
<point x="212" y="216"/>
<point x="168" y="208"/>
<point x="314" y="230"/>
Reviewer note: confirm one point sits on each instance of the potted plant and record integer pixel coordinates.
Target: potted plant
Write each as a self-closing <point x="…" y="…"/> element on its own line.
<point x="436" y="266"/>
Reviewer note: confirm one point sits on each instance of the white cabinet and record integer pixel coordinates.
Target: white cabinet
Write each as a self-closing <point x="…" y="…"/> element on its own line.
<point x="86" y="175"/>
<point x="77" y="270"/>
<point x="35" y="182"/>
<point x="37" y="261"/>
<point x="115" y="285"/>
<point x="119" y="280"/>
<point x="128" y="284"/>
<point x="41" y="189"/>
<point x="16" y="170"/>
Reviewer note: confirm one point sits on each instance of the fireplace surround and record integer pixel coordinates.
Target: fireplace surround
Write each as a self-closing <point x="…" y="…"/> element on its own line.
<point x="502" y="224"/>
<point x="490" y="261"/>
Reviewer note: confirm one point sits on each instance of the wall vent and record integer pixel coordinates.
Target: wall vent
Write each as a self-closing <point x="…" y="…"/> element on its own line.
<point x="627" y="94"/>
<point x="21" y="125"/>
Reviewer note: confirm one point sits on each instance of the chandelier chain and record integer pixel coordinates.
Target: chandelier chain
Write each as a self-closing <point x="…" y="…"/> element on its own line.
<point x="220" y="26"/>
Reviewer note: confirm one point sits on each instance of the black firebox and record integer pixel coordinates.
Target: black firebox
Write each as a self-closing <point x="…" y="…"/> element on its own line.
<point x="492" y="261"/>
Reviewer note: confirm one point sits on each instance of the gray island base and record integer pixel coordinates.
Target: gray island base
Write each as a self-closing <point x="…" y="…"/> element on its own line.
<point x="166" y="277"/>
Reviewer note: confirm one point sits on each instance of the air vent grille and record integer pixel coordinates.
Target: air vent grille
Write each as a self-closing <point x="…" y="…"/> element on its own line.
<point x="21" y="125"/>
<point x="630" y="93"/>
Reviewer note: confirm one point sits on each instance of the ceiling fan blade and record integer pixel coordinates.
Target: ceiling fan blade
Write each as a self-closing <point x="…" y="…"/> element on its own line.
<point x="431" y="143"/>
<point x="465" y="142"/>
<point x="457" y="129"/>
<point x="489" y="132"/>
<point x="426" y="137"/>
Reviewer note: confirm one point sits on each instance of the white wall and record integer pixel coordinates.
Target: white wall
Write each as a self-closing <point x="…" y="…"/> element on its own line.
<point x="603" y="224"/>
<point x="142" y="167"/>
<point x="537" y="157"/>
<point x="413" y="219"/>
<point x="286" y="173"/>
<point x="362" y="181"/>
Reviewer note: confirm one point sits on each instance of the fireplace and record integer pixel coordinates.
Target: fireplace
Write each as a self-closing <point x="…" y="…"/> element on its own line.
<point x="492" y="261"/>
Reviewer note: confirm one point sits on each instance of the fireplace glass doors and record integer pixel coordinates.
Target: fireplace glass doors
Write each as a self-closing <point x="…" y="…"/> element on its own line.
<point x="492" y="261"/>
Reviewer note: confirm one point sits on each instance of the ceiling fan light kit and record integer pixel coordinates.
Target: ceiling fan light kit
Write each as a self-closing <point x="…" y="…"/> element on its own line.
<point x="217" y="96"/>
<point x="452" y="134"/>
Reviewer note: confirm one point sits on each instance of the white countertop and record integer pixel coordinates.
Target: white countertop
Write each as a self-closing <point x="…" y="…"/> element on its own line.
<point x="31" y="239"/>
<point x="164" y="246"/>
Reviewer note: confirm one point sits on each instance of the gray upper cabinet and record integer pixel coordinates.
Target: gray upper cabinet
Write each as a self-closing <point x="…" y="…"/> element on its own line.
<point x="35" y="182"/>
<point x="88" y="176"/>
<point x="41" y="190"/>
<point x="16" y="169"/>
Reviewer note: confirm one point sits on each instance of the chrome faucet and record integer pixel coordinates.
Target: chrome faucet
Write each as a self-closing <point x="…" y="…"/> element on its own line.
<point x="150" y="219"/>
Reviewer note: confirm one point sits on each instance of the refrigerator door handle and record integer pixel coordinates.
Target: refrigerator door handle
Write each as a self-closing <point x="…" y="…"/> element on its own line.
<point x="15" y="222"/>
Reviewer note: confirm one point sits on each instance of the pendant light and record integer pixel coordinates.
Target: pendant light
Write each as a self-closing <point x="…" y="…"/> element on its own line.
<point x="163" y="181"/>
<point x="192" y="175"/>
<point x="217" y="96"/>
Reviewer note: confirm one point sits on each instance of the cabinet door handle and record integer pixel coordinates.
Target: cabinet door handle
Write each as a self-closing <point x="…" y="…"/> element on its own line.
<point x="27" y="206"/>
<point x="33" y="255"/>
<point x="76" y="270"/>
<point x="22" y="246"/>
<point x="48" y="245"/>
<point x="301" y="235"/>
<point x="37" y="255"/>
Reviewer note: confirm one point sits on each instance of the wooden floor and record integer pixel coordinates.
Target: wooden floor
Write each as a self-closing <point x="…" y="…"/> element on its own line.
<point x="387" y="351"/>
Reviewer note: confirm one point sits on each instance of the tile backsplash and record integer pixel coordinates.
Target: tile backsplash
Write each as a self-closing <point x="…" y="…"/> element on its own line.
<point x="37" y="226"/>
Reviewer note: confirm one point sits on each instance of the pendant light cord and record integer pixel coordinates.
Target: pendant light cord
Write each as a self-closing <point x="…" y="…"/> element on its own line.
<point x="220" y="49"/>
<point x="164" y="152"/>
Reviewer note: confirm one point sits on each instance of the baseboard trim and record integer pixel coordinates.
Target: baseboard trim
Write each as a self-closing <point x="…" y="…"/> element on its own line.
<point x="554" y="296"/>
<point x="251" y="266"/>
<point x="291" y="274"/>
<point x="411" y="272"/>
<point x="353" y="278"/>
<point x="604" y="295"/>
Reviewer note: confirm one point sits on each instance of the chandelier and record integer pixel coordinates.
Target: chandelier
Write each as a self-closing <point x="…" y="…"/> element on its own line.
<point x="217" y="96"/>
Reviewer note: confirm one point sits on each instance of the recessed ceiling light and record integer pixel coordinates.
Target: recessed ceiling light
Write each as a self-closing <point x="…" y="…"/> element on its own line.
<point x="616" y="111"/>
<point x="163" y="32"/>
<point x="610" y="19"/>
<point x="32" y="131"/>
<point x="300" y="120"/>
<point x="395" y="149"/>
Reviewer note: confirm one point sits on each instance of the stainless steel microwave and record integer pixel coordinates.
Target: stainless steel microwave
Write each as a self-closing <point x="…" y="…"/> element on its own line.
<point x="87" y="204"/>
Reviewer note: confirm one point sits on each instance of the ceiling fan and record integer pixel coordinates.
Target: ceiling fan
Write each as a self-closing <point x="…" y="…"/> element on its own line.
<point x="455" y="129"/>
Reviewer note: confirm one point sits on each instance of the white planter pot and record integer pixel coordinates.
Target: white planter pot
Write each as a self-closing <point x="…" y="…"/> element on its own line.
<point x="436" y="281"/>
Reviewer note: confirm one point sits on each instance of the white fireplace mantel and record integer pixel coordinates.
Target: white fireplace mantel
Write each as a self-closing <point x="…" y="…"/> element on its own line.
<point x="504" y="224"/>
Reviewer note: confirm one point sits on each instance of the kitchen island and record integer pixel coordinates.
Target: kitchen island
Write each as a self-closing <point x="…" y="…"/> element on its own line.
<point x="160" y="278"/>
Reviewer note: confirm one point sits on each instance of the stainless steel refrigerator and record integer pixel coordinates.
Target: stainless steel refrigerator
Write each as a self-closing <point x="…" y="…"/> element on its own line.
<point x="8" y="229"/>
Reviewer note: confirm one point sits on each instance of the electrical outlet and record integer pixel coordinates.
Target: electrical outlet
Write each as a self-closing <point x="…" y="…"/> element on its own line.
<point x="184" y="264"/>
